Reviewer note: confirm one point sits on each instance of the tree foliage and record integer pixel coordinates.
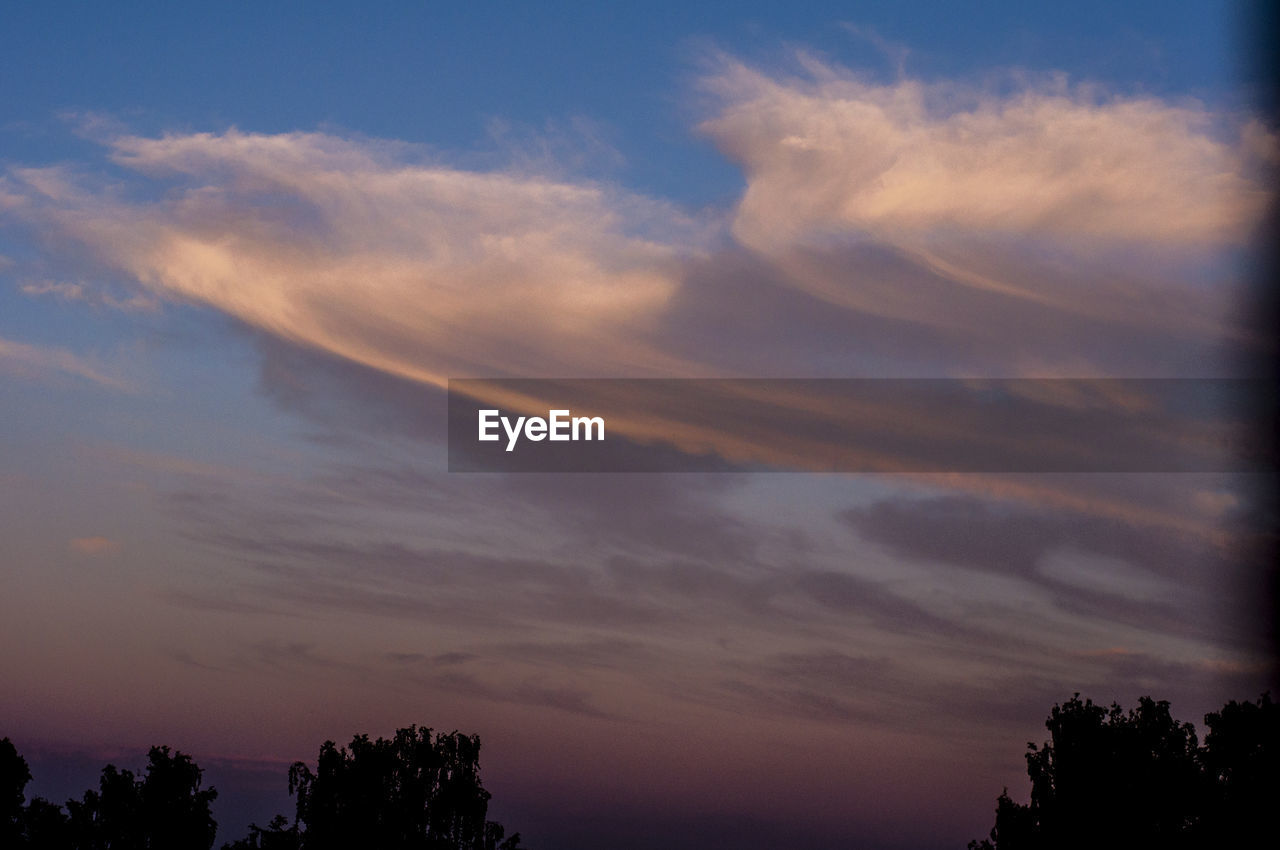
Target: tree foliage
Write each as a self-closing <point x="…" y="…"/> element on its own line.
<point x="164" y="809"/>
<point x="414" y="790"/>
<point x="14" y="776"/>
<point x="1111" y="778"/>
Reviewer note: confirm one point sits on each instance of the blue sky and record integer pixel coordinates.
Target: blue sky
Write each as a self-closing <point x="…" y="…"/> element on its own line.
<point x="242" y="246"/>
<point x="440" y="74"/>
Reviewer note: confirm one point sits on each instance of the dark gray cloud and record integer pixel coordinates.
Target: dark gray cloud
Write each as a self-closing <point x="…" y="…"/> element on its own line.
<point x="831" y="686"/>
<point x="741" y="314"/>
<point x="836" y="686"/>
<point x="352" y="402"/>
<point x="528" y="692"/>
<point x="1191" y="571"/>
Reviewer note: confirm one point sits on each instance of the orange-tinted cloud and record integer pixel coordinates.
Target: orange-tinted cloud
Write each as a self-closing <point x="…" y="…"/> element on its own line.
<point x="1042" y="196"/>
<point x="357" y="249"/>
<point x="95" y="545"/>
<point x="831" y="152"/>
<point x="922" y="211"/>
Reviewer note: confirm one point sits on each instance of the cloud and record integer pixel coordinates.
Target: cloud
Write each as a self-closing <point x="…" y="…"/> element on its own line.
<point x="95" y="545"/>
<point x="828" y="152"/>
<point x="89" y="294"/>
<point x="362" y="250"/>
<point x="370" y="268"/>
<point x="832" y="686"/>
<point x="1071" y="228"/>
<point x="1094" y="566"/>
<point x="936" y="215"/>
<point x="370" y="271"/>
<point x="27" y="360"/>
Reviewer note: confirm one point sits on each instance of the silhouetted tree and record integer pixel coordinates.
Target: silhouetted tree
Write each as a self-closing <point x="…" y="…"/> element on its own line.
<point x="415" y="791"/>
<point x="46" y="827"/>
<point x="1241" y="759"/>
<point x="411" y="792"/>
<point x="14" y="776"/>
<point x="111" y="816"/>
<point x="164" y="810"/>
<point x="177" y="811"/>
<point x="1110" y="778"/>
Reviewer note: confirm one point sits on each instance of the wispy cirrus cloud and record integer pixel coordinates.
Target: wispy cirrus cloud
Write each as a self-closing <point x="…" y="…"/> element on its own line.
<point x="1029" y="203"/>
<point x="957" y="228"/>
<point x="89" y="294"/>
<point x="35" y="361"/>
<point x="829" y="152"/>
<point x="360" y="249"/>
<point x="903" y="229"/>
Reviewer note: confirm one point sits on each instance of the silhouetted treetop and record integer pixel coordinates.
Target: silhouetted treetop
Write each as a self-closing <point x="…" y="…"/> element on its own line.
<point x="14" y="776"/>
<point x="165" y="809"/>
<point x="1111" y="778"/>
<point x="414" y="790"/>
<point x="1241" y="758"/>
<point x="278" y="835"/>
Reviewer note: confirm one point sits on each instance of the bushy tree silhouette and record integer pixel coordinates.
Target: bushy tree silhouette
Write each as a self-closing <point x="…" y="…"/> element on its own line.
<point x="14" y="776"/>
<point x="414" y="791"/>
<point x="45" y="827"/>
<point x="164" y="810"/>
<point x="1241" y="759"/>
<point x="1111" y="778"/>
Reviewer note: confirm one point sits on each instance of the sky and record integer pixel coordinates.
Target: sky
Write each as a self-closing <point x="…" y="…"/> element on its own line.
<point x="244" y="247"/>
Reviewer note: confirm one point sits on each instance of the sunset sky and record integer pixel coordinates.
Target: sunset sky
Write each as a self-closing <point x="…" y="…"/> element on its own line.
<point x="244" y="247"/>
